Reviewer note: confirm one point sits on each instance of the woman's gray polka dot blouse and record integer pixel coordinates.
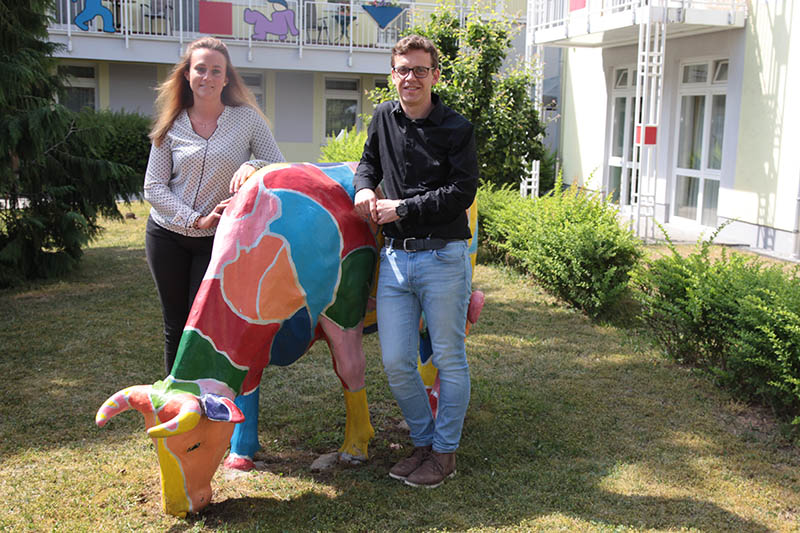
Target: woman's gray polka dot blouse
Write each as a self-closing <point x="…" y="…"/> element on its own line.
<point x="188" y="175"/>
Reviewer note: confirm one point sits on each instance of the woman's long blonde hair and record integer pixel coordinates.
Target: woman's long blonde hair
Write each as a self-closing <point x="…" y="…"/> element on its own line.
<point x="175" y="95"/>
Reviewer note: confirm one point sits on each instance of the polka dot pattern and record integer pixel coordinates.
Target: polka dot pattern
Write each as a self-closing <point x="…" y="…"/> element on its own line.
<point x="188" y="175"/>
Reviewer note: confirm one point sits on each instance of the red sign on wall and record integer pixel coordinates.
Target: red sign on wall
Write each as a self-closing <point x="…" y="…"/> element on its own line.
<point x="576" y="4"/>
<point x="215" y="18"/>
<point x="650" y="134"/>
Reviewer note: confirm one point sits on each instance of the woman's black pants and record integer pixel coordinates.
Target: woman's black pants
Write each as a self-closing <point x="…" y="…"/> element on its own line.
<point x="178" y="264"/>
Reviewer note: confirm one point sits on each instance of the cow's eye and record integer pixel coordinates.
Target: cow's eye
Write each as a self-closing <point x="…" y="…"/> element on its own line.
<point x="193" y="447"/>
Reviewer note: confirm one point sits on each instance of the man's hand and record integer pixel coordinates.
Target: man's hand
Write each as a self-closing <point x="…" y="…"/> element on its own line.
<point x="240" y="176"/>
<point x="366" y="205"/>
<point x="212" y="219"/>
<point x="387" y="211"/>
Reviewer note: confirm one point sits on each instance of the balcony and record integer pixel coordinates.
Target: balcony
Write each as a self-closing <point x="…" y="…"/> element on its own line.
<point x="320" y="32"/>
<point x="297" y="34"/>
<point x="606" y="23"/>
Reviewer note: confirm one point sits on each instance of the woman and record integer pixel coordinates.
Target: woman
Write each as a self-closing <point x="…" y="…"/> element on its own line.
<point x="207" y="126"/>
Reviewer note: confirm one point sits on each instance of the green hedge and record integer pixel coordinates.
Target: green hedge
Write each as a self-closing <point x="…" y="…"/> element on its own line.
<point x="124" y="139"/>
<point x="733" y="316"/>
<point x="347" y="146"/>
<point x="569" y="240"/>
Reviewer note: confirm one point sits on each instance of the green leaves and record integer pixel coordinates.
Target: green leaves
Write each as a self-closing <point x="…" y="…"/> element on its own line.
<point x="569" y="241"/>
<point x="55" y="176"/>
<point x="733" y="316"/>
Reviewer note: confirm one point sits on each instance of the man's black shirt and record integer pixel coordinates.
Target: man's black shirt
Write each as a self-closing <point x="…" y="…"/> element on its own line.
<point x="430" y="163"/>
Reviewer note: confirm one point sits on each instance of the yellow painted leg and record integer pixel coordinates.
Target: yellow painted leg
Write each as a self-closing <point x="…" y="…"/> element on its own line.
<point x="428" y="372"/>
<point x="358" y="429"/>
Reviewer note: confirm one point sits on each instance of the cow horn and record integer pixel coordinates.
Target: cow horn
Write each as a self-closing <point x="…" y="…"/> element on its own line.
<point x="187" y="418"/>
<point x="137" y="397"/>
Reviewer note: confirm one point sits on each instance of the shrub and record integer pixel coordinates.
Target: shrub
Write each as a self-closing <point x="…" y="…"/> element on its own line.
<point x="734" y="317"/>
<point x="125" y="140"/>
<point x="569" y="240"/>
<point x="347" y="146"/>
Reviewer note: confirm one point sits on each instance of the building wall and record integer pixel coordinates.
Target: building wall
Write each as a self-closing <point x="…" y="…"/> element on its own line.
<point x="131" y="87"/>
<point x="583" y="122"/>
<point x="768" y="165"/>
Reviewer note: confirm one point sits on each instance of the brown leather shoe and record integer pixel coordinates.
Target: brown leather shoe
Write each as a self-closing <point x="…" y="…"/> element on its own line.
<point x="403" y="468"/>
<point x="433" y="471"/>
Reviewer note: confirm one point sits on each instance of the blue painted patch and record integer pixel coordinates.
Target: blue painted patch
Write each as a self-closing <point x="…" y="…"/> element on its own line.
<point x="342" y="175"/>
<point x="292" y="339"/>
<point x="315" y="245"/>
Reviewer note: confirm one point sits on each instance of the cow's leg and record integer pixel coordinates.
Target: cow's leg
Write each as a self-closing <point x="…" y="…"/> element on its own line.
<point x="244" y="442"/>
<point x="349" y="364"/>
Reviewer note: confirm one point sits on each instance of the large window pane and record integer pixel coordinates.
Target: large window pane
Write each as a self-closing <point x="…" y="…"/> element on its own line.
<point x="340" y="114"/>
<point x="710" y="199"/>
<point x="691" y="131"/>
<point x="695" y="73"/>
<point x="76" y="98"/>
<point x="686" y="189"/>
<point x="614" y="183"/>
<point x="618" y="135"/>
<point x="717" y="130"/>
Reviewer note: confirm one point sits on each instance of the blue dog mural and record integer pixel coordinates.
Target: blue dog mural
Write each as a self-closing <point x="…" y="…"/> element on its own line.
<point x="92" y="9"/>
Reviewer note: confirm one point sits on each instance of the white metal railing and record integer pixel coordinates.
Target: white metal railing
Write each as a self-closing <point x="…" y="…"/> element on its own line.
<point x="297" y="23"/>
<point x="547" y="14"/>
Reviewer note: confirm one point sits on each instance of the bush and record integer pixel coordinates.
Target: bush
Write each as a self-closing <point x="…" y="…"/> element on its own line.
<point x="569" y="240"/>
<point x="347" y="146"/>
<point x="733" y="316"/>
<point x="125" y="140"/>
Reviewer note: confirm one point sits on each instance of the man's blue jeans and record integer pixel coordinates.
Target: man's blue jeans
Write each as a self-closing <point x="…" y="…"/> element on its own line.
<point x="438" y="283"/>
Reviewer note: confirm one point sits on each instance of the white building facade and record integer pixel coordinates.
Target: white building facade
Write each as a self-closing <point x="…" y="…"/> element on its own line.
<point x="682" y="111"/>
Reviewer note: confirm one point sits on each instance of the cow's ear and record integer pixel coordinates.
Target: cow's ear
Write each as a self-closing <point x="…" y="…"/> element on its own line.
<point x="221" y="409"/>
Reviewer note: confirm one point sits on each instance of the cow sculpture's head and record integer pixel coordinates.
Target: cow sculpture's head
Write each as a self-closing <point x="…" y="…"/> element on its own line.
<point x="191" y="436"/>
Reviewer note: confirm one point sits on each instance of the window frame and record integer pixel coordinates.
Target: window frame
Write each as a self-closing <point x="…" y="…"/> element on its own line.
<point x="72" y="82"/>
<point x="341" y="94"/>
<point x="708" y="90"/>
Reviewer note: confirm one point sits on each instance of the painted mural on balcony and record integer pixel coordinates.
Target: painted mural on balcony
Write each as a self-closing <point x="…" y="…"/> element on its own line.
<point x="280" y="23"/>
<point x="91" y="10"/>
<point x="383" y="13"/>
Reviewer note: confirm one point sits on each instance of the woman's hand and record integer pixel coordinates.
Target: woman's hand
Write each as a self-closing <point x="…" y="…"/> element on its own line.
<point x="212" y="219"/>
<point x="240" y="176"/>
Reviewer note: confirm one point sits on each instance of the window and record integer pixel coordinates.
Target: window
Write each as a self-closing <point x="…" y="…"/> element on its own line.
<point x="255" y="82"/>
<point x="80" y="86"/>
<point x="342" y="104"/>
<point x="381" y="83"/>
<point x="620" y="150"/>
<point x="700" y="131"/>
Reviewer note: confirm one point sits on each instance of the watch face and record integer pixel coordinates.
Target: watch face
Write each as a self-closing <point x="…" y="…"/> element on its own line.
<point x="401" y="209"/>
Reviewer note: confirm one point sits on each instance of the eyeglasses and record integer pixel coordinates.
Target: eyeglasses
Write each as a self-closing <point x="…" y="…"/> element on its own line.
<point x="419" y="72"/>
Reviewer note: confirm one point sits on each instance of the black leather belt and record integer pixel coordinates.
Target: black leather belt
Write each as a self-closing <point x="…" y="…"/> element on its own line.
<point x="412" y="244"/>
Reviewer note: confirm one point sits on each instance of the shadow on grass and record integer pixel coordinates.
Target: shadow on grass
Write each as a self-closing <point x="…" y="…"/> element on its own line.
<point x="564" y="421"/>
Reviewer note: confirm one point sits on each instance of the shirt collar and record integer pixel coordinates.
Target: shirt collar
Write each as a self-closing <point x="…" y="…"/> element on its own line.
<point x="436" y="115"/>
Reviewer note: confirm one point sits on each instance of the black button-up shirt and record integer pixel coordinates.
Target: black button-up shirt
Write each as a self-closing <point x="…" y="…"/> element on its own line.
<point x="431" y="163"/>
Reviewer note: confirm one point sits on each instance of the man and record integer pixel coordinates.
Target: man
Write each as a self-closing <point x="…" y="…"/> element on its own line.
<point x="424" y="152"/>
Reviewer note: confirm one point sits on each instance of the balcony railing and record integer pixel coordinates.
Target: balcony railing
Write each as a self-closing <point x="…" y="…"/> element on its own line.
<point x="548" y="14"/>
<point x="294" y="23"/>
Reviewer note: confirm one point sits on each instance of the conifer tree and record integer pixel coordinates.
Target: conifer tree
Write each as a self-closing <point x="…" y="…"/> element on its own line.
<point x="53" y="186"/>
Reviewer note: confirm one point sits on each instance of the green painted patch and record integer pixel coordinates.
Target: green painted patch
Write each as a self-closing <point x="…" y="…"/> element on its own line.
<point x="358" y="269"/>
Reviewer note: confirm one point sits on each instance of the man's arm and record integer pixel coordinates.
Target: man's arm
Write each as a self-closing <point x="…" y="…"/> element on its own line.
<point x="368" y="174"/>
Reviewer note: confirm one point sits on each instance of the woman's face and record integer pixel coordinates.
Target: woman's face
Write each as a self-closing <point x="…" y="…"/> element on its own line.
<point x="206" y="75"/>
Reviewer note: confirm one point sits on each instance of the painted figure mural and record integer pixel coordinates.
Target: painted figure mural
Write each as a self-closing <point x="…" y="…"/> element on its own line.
<point x="92" y="9"/>
<point x="280" y="23"/>
<point x="292" y="263"/>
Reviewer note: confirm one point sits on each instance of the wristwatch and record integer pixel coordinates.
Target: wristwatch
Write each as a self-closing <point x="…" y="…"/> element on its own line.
<point x="401" y="210"/>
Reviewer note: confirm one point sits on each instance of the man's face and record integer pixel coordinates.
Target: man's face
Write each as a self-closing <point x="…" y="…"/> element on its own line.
<point x="414" y="91"/>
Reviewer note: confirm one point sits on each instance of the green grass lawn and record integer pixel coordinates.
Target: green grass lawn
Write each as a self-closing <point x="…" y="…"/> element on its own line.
<point x="573" y="426"/>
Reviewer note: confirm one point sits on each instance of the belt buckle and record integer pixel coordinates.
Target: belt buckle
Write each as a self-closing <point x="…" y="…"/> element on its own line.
<point x="405" y="247"/>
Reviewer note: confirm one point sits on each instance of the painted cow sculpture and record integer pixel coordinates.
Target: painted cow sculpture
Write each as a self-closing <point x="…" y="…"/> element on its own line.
<point x="292" y="263"/>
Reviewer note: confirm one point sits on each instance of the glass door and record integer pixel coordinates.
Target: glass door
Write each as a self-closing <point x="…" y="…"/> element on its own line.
<point x="701" y="125"/>
<point x="620" y="152"/>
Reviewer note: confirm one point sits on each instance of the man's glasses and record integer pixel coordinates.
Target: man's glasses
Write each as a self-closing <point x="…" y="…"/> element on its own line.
<point x="419" y="72"/>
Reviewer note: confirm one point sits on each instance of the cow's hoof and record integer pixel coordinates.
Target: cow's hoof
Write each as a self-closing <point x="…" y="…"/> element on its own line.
<point x="350" y="459"/>
<point x="238" y="462"/>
